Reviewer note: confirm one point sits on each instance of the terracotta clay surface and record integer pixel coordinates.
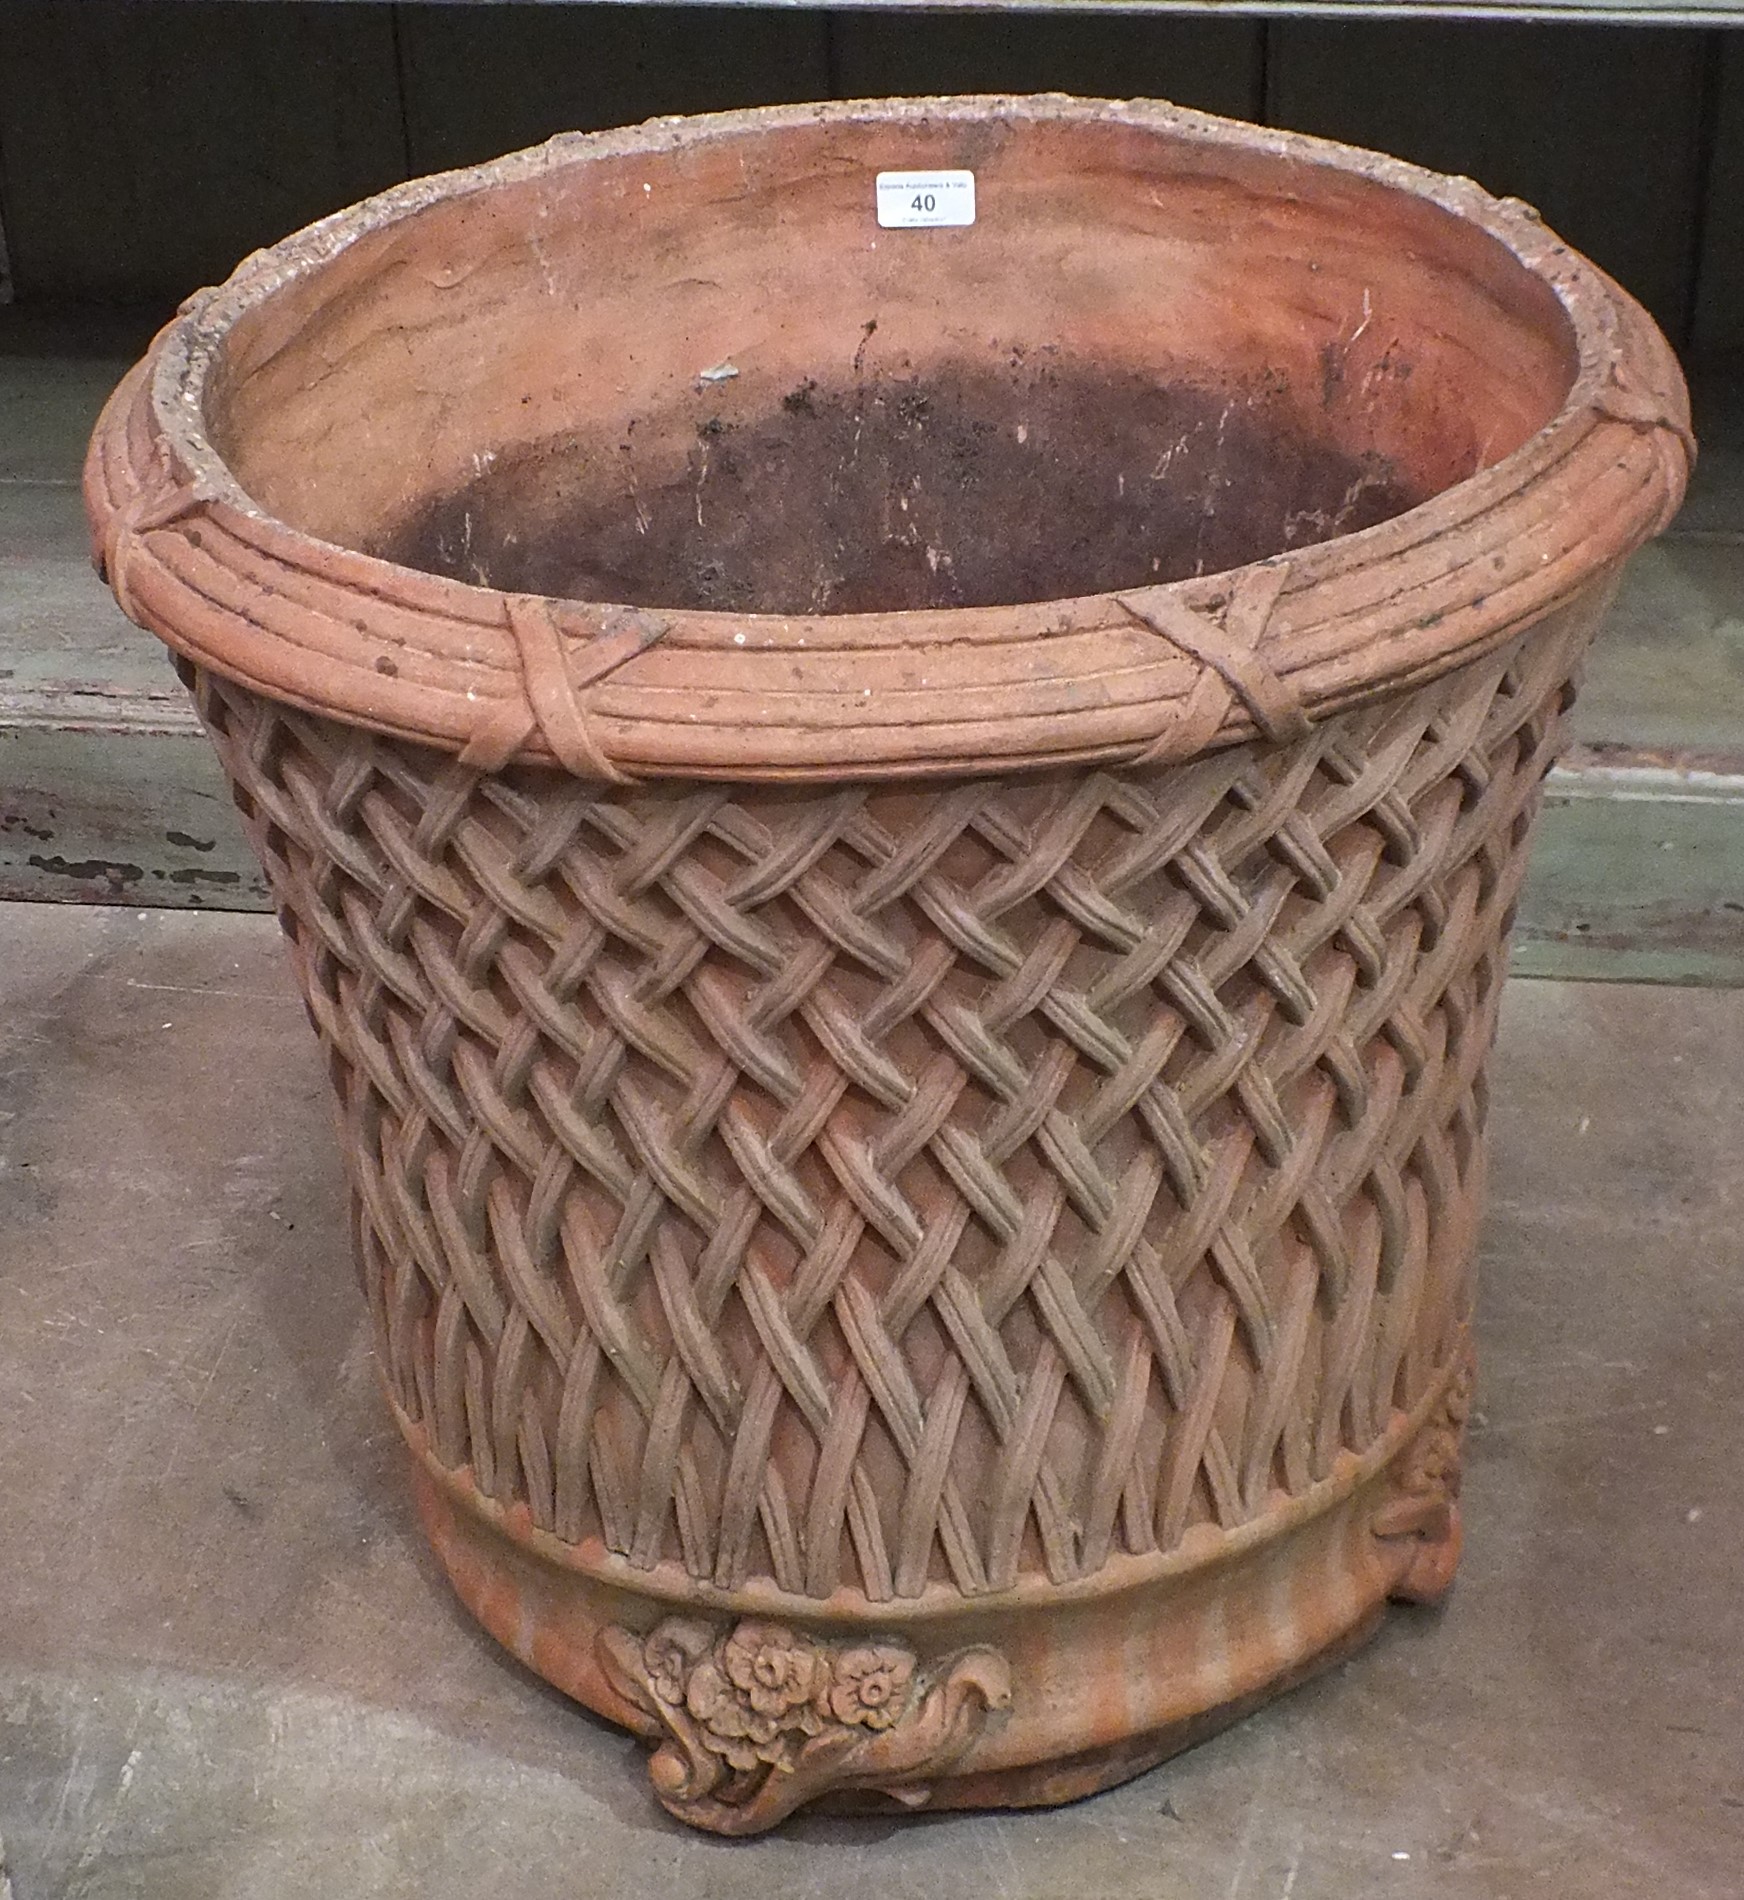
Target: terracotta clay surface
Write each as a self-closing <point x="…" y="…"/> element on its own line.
<point x="909" y="1031"/>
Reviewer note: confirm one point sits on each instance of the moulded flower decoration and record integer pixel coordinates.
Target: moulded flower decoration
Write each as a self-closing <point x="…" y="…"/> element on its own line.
<point x="871" y="1685"/>
<point x="760" y="1718"/>
<point x="670" y="1654"/>
<point x="754" y="1699"/>
<point x="727" y="1724"/>
<point x="776" y="1670"/>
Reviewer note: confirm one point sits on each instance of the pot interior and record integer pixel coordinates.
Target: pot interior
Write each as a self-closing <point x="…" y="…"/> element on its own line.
<point x="701" y="375"/>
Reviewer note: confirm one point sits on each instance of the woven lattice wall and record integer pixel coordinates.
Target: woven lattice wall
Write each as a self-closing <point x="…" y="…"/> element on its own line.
<point x="885" y="1187"/>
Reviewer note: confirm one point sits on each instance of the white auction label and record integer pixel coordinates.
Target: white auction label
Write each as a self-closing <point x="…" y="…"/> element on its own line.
<point x="910" y="200"/>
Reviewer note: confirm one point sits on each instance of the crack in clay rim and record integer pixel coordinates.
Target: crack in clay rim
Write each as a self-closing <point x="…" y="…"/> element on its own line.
<point x="480" y="694"/>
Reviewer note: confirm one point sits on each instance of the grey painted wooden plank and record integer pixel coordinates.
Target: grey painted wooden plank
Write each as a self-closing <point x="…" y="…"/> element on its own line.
<point x="1598" y="127"/>
<point x="60" y="629"/>
<point x="88" y="816"/>
<point x="108" y="791"/>
<point x="1715" y="508"/>
<point x="1637" y="876"/>
<point x="477" y="84"/>
<point x="1630" y="885"/>
<point x="115" y="796"/>
<point x="148" y="147"/>
<point x="1215" y="65"/>
<point x="1667" y="671"/>
<point x="48" y="404"/>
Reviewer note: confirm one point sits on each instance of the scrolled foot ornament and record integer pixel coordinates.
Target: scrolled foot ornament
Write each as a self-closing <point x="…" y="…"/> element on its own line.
<point x="1420" y="1520"/>
<point x="759" y="1718"/>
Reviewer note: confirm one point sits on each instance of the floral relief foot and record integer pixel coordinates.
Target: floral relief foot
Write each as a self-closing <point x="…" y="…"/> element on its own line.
<point x="1420" y="1521"/>
<point x="761" y="1719"/>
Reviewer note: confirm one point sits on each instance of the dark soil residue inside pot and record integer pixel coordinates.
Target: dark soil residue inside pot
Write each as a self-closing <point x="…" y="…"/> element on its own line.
<point x="954" y="490"/>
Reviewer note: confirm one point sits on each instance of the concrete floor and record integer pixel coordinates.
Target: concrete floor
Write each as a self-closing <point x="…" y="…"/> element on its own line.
<point x="227" y="1667"/>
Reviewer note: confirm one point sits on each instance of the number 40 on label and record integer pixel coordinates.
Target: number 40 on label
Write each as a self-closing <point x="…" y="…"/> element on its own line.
<point x="915" y="200"/>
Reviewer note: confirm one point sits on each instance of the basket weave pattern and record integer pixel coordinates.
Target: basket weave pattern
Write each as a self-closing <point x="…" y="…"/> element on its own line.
<point x="885" y="1191"/>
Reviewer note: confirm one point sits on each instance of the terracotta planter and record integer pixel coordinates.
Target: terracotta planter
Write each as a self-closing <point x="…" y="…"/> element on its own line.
<point x="913" y="1084"/>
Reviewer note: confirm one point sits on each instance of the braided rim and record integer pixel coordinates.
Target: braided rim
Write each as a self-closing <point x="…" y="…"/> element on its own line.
<point x="1155" y="675"/>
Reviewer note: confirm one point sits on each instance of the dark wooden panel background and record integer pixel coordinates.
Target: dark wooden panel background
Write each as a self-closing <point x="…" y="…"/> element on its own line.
<point x="146" y="148"/>
<point x="1601" y="127"/>
<point x="145" y="145"/>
